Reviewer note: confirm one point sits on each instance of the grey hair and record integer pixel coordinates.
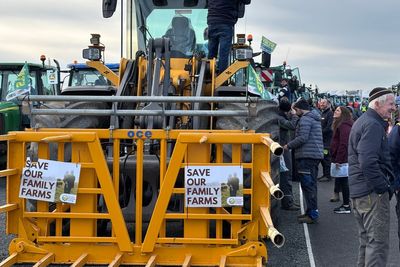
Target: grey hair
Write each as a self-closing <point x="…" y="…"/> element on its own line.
<point x="381" y="100"/>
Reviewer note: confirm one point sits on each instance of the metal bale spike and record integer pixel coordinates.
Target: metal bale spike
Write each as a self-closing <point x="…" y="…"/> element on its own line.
<point x="274" y="190"/>
<point x="275" y="147"/>
<point x="276" y="237"/>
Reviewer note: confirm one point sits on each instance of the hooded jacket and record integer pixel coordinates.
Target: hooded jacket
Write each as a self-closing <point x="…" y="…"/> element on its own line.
<point x="340" y="142"/>
<point x="308" y="139"/>
<point x="225" y="12"/>
<point x="369" y="159"/>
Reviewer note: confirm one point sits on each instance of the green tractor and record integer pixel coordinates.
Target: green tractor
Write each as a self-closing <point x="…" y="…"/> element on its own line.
<point x="23" y="79"/>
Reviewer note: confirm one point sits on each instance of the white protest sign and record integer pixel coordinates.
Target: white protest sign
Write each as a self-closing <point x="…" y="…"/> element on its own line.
<point x="52" y="76"/>
<point x="49" y="180"/>
<point x="213" y="186"/>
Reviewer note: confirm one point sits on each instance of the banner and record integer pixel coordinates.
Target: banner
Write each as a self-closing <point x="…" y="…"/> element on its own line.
<point x="49" y="180"/>
<point x="21" y="85"/>
<point x="213" y="186"/>
<point x="267" y="45"/>
<point x="255" y="86"/>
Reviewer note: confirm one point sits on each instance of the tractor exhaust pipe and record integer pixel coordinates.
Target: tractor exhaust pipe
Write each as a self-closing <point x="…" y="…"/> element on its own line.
<point x="274" y="190"/>
<point x="275" y="147"/>
<point x="276" y="237"/>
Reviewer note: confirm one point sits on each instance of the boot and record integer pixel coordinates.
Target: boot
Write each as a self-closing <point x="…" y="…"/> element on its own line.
<point x="335" y="197"/>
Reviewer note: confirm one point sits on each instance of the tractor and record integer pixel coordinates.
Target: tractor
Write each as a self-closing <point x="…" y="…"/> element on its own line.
<point x="42" y="80"/>
<point x="172" y="117"/>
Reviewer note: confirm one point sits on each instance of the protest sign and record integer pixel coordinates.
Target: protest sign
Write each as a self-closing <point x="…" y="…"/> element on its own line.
<point x="213" y="186"/>
<point x="49" y="180"/>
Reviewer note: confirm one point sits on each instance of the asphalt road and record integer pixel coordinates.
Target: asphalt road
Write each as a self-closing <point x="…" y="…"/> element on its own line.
<point x="333" y="240"/>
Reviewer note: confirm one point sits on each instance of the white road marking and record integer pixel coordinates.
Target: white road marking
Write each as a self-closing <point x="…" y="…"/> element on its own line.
<point x="306" y="233"/>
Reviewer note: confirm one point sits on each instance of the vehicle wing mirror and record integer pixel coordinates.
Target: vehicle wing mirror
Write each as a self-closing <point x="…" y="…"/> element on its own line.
<point x="109" y="7"/>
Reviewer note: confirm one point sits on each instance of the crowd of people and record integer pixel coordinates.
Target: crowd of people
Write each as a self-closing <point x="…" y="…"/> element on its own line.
<point x="358" y="147"/>
<point x="362" y="155"/>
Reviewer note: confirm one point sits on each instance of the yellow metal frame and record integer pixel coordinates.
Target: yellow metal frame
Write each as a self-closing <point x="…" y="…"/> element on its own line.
<point x="197" y="247"/>
<point x="105" y="71"/>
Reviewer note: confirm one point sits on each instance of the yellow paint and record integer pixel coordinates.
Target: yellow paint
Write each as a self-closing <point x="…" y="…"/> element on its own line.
<point x="195" y="247"/>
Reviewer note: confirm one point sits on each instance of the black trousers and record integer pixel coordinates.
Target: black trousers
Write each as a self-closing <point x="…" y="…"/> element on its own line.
<point x="342" y="184"/>
<point x="326" y="164"/>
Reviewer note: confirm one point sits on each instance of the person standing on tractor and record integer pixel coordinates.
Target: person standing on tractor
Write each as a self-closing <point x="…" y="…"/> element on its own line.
<point x="326" y="124"/>
<point x="284" y="91"/>
<point x="221" y="19"/>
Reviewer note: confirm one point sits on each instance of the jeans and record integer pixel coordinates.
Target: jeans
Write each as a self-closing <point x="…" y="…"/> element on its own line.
<point x="372" y="213"/>
<point x="308" y="171"/>
<point x="219" y="44"/>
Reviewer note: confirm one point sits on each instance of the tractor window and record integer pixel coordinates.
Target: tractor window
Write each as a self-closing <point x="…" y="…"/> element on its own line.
<point x="178" y="25"/>
<point x="48" y="89"/>
<point x="10" y="79"/>
<point x="87" y="78"/>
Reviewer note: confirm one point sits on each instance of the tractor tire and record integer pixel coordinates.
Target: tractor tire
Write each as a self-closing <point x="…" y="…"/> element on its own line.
<point x="74" y="121"/>
<point x="70" y="121"/>
<point x="266" y="121"/>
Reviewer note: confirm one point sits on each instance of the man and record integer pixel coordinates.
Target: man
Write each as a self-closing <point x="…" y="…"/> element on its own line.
<point x="308" y="147"/>
<point x="394" y="144"/>
<point x="326" y="125"/>
<point x="369" y="174"/>
<point x="284" y="90"/>
<point x="286" y="126"/>
<point x="293" y="86"/>
<point x="221" y="19"/>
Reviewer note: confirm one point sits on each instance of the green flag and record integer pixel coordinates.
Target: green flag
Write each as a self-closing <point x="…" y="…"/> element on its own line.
<point x="21" y="85"/>
<point x="255" y="86"/>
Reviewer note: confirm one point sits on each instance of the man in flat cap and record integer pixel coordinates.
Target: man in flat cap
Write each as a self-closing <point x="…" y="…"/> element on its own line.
<point x="370" y="172"/>
<point x="308" y="147"/>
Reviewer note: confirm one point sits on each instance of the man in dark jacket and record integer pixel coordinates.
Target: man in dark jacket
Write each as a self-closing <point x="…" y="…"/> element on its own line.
<point x="326" y="124"/>
<point x="284" y="90"/>
<point x="369" y="177"/>
<point x="394" y="145"/>
<point x="308" y="147"/>
<point x="221" y="19"/>
<point x="286" y="126"/>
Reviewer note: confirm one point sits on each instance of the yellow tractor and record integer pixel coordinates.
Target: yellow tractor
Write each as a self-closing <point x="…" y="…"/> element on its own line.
<point x="183" y="174"/>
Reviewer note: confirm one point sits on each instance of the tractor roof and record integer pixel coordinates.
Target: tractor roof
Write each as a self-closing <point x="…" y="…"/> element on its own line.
<point x="80" y="66"/>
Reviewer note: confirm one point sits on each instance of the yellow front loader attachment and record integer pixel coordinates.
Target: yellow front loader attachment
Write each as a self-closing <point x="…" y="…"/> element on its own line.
<point x="59" y="233"/>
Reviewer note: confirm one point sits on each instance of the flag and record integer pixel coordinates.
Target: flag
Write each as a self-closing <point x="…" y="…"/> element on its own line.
<point x="255" y="86"/>
<point x="267" y="45"/>
<point x="21" y="85"/>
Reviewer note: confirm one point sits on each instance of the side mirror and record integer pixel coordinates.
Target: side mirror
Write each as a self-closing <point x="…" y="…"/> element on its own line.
<point x="109" y="7"/>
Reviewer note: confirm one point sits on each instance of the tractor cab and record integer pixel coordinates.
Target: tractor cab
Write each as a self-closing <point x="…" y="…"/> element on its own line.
<point x="85" y="80"/>
<point x="23" y="79"/>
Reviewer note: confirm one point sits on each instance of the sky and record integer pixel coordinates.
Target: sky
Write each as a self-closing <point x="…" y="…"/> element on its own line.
<point x="337" y="44"/>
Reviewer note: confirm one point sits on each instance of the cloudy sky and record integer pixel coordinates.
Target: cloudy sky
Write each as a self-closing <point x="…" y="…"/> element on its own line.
<point x="337" y="44"/>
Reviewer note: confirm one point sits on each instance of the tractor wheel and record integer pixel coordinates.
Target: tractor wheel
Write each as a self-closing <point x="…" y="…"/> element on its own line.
<point x="74" y="121"/>
<point x="266" y="121"/>
<point x="70" y="121"/>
